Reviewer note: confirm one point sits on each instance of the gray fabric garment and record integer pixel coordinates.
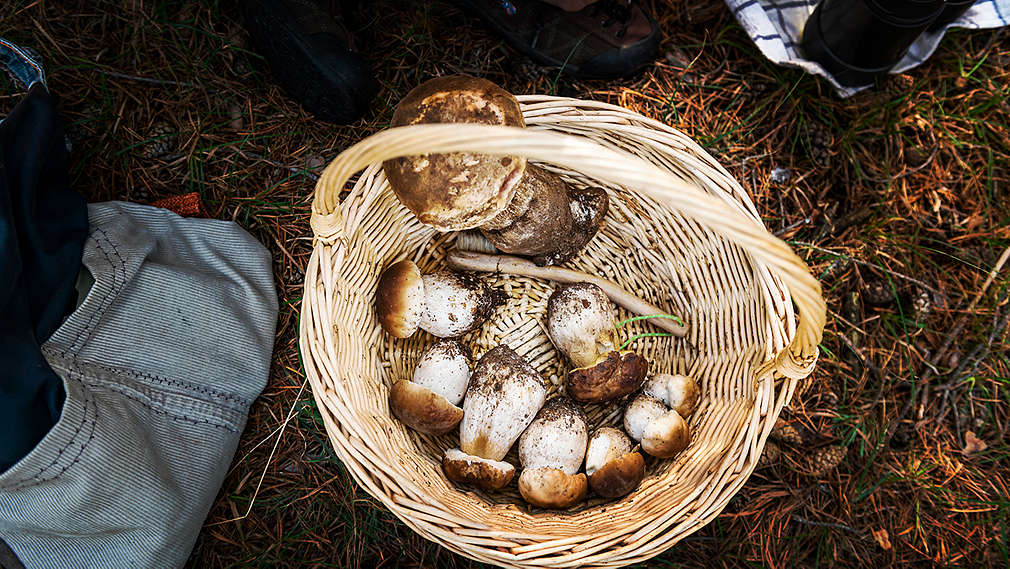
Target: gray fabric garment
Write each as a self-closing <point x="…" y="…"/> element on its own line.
<point x="161" y="363"/>
<point x="776" y="26"/>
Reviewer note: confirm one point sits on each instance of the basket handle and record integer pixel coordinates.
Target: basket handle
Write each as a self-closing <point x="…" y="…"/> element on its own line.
<point x="596" y="161"/>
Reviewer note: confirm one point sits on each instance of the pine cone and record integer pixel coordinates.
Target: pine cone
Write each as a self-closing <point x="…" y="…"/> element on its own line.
<point x="140" y="194"/>
<point x="922" y="305"/>
<point x="786" y="433"/>
<point x="769" y="456"/>
<point x="826" y="459"/>
<point x="160" y="140"/>
<point x="819" y="143"/>
<point x="899" y="85"/>
<point x="877" y="291"/>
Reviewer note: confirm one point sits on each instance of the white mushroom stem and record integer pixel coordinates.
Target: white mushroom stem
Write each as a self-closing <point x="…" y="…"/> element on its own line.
<point x="506" y="264"/>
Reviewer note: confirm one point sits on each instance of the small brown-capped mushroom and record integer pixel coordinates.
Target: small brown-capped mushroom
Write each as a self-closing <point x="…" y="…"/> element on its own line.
<point x="429" y="403"/>
<point x="581" y="323"/>
<point x="661" y="431"/>
<point x="483" y="473"/>
<point x="445" y="303"/>
<point x="676" y="391"/>
<point x="504" y="395"/>
<point x="551" y="450"/>
<point x="399" y="299"/>
<point x="613" y="469"/>
<point x="521" y="208"/>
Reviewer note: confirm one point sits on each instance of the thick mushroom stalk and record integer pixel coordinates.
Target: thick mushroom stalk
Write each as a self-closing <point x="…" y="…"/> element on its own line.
<point x="581" y="323"/>
<point x="504" y="395"/>
<point x="551" y="451"/>
<point x="429" y="403"/>
<point x="613" y="469"/>
<point x="446" y="304"/>
<point x="662" y="432"/>
<point x="522" y="209"/>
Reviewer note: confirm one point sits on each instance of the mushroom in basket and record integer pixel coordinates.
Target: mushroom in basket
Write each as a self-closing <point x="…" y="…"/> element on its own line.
<point x="505" y="394"/>
<point x="614" y="470"/>
<point x="444" y="303"/>
<point x="551" y="451"/>
<point x="429" y="403"/>
<point x="521" y="208"/>
<point x="649" y="418"/>
<point x="581" y="323"/>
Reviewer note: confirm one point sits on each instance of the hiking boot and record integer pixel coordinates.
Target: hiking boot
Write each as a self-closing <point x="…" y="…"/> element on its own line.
<point x="312" y="55"/>
<point x="609" y="38"/>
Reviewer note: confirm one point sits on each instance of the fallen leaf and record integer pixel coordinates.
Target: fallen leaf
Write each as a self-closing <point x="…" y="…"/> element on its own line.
<point x="973" y="444"/>
<point x="883" y="540"/>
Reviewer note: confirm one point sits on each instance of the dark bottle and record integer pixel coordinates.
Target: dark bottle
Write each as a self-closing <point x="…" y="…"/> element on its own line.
<point x="859" y="40"/>
<point x="952" y="10"/>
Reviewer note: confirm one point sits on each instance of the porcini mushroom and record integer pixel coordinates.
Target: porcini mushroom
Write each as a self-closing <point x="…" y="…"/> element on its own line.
<point x="676" y="391"/>
<point x="522" y="209"/>
<point x="613" y="469"/>
<point x="551" y="450"/>
<point x="444" y="303"/>
<point x="661" y="431"/>
<point x="581" y="323"/>
<point x="504" y="395"/>
<point x="429" y="403"/>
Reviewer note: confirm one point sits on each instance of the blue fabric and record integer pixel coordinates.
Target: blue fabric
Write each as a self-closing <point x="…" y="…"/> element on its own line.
<point x="43" y="225"/>
<point x="22" y="64"/>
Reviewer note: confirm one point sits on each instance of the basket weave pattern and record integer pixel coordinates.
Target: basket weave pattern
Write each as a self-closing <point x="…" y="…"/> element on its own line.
<point x="681" y="234"/>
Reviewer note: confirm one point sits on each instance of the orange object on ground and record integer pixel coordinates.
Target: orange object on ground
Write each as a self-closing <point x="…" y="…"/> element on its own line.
<point x="186" y="205"/>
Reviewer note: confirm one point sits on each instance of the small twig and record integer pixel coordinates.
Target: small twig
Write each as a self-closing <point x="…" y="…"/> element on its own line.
<point x="791" y="226"/>
<point x="907" y="171"/>
<point x="803" y="520"/>
<point x="871" y="265"/>
<point x="280" y="434"/>
<point x="959" y="327"/>
<point x="505" y="264"/>
<point x="261" y="158"/>
<point x="149" y="79"/>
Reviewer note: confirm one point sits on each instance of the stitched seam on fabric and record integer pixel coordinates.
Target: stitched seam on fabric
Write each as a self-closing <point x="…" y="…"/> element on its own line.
<point x="169" y="414"/>
<point x="140" y="376"/>
<point x="183" y="405"/>
<point x="84" y="334"/>
<point x="89" y="404"/>
<point x="72" y="366"/>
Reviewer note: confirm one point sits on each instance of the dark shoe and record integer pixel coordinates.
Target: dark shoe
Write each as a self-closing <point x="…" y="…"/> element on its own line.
<point x="609" y="38"/>
<point x="311" y="54"/>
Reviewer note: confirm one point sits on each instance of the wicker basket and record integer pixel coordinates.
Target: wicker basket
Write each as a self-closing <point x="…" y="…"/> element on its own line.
<point x="681" y="233"/>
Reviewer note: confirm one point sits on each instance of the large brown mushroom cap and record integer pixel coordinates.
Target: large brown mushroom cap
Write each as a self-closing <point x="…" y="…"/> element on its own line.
<point x="549" y="487"/>
<point x="486" y="474"/>
<point x="614" y="376"/>
<point x="619" y="476"/>
<point x="457" y="190"/>
<point x="399" y="299"/>
<point x="422" y="409"/>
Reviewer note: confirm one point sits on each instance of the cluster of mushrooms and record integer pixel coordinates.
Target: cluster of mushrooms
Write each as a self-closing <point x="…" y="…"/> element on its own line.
<point x="501" y="399"/>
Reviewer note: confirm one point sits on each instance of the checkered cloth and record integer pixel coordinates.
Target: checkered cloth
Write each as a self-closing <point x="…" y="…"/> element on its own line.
<point x="776" y="26"/>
